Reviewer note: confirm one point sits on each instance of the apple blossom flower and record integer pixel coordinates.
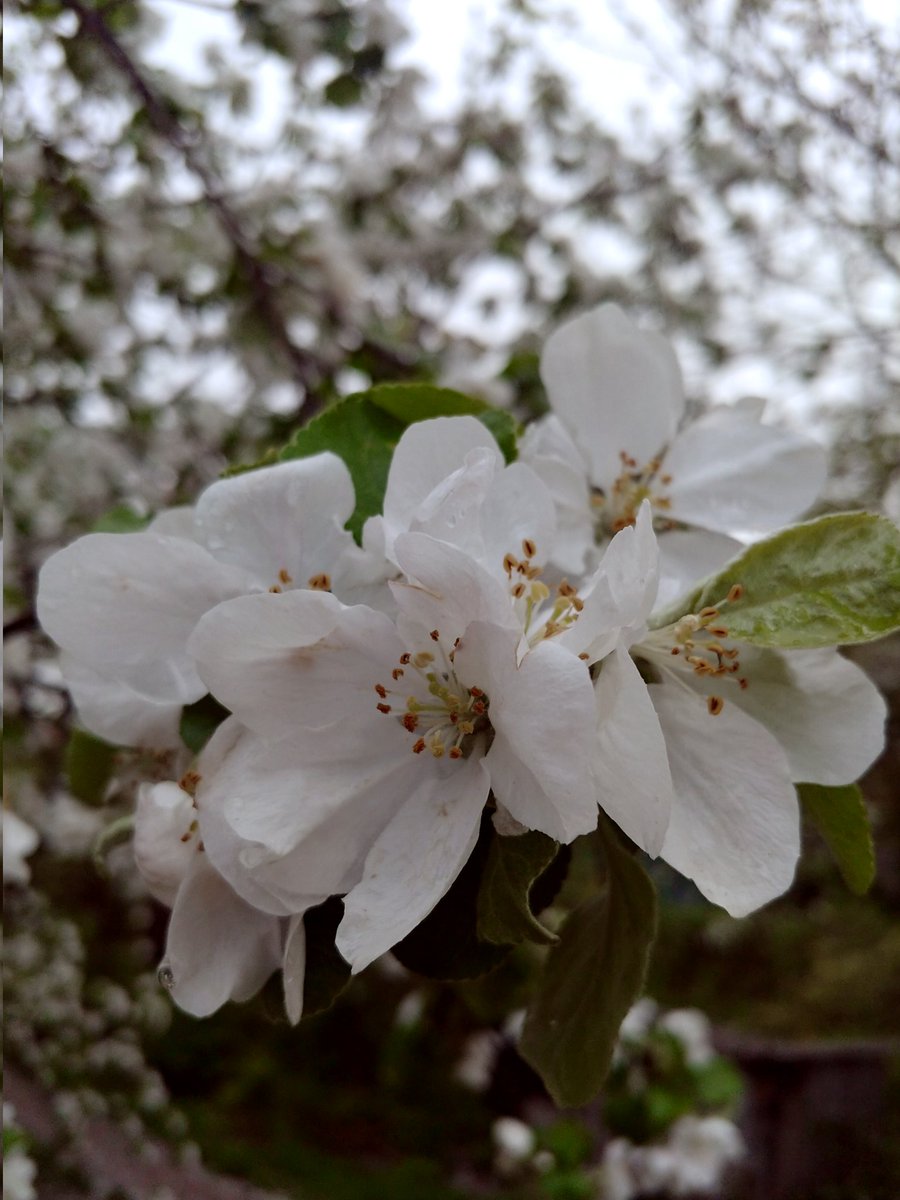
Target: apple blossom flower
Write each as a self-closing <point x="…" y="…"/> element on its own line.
<point x="614" y="432"/>
<point x="122" y="605"/>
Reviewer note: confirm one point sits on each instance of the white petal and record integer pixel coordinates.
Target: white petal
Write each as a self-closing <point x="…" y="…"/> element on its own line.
<point x="824" y="710"/>
<point x="549" y="450"/>
<point x="112" y="710"/>
<point x="218" y="948"/>
<point x="126" y="603"/>
<point x="455" y="589"/>
<point x="427" y="453"/>
<point x="293" y="969"/>
<point x="175" y="522"/>
<point x="19" y="841"/>
<point x="735" y="822"/>
<point x="629" y="758"/>
<point x="543" y="717"/>
<point x="415" y="860"/>
<point x="165" y="838"/>
<point x="452" y="511"/>
<point x="301" y="658"/>
<point x="689" y="555"/>
<point x="288" y="518"/>
<point x="288" y="829"/>
<point x="730" y="473"/>
<point x="517" y="506"/>
<point x="616" y="387"/>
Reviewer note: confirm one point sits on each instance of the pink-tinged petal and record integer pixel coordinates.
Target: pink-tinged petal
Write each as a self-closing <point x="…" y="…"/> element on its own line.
<point x="631" y="768"/>
<point x="616" y="387"/>
<point x="126" y="603"/>
<point x="427" y="453"/>
<point x="730" y="473"/>
<point x="218" y="948"/>
<point x="542" y="712"/>
<point x="688" y="555"/>
<point x="113" y="711"/>
<point x="414" y="862"/>
<point x="825" y="711"/>
<point x="448" y="589"/>
<point x="284" y="525"/>
<point x="165" y="838"/>
<point x="293" y="968"/>
<point x="735" y="822"/>
<point x="297" y="659"/>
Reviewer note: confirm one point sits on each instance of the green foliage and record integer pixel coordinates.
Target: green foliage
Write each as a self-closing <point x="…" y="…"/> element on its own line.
<point x="88" y="766"/>
<point x="363" y="430"/>
<point x="327" y="974"/>
<point x="839" y="814"/>
<point x="199" y="721"/>
<point x="832" y="581"/>
<point x="513" y="865"/>
<point x="590" y="979"/>
<point x="120" y="519"/>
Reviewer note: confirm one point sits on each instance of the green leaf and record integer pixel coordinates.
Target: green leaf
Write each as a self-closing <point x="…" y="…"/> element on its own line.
<point x="590" y="979"/>
<point x="364" y="429"/>
<point x="327" y="974"/>
<point x="513" y="865"/>
<point x="832" y="581"/>
<point x="839" y="814"/>
<point x="446" y="944"/>
<point x="88" y="765"/>
<point x="115" y="834"/>
<point x="120" y="519"/>
<point x="199" y="721"/>
<point x="410" y="402"/>
<point x="343" y="91"/>
<point x="364" y="436"/>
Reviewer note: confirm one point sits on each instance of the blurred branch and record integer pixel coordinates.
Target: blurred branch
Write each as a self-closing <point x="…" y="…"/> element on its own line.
<point x="306" y="370"/>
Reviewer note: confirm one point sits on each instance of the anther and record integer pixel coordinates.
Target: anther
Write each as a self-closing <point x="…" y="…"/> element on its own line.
<point x="529" y="549"/>
<point x="435" y="635"/>
<point x="675" y="650"/>
<point x="397" y="673"/>
<point x="320" y="583"/>
<point x="381" y="690"/>
<point x="735" y="592"/>
<point x="714" y="704"/>
<point x="707" y="614"/>
<point x="455" y="752"/>
<point x="410" y="722"/>
<point x="418" y="746"/>
<point x="585" y="657"/>
<point x="405" y="658"/>
<point x="274" y="588"/>
<point x="719" y="631"/>
<point x="519" y="591"/>
<point x="476" y="692"/>
<point x="284" y="577"/>
<point x="743" y="683"/>
<point x="384" y="708"/>
<point x="509" y="563"/>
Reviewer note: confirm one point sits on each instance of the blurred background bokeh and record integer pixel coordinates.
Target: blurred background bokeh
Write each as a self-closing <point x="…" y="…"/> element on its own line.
<point x="219" y="218"/>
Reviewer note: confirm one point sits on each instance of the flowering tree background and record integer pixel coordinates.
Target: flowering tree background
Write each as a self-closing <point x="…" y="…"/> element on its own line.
<point x="193" y="269"/>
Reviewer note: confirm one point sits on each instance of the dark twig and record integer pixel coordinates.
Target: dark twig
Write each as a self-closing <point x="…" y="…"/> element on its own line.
<point x="305" y="369"/>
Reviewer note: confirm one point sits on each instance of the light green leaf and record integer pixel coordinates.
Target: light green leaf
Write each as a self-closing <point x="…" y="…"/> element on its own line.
<point x="88" y="765"/>
<point x="513" y="865"/>
<point x="199" y="721"/>
<point x="120" y="519"/>
<point x="832" y="581"/>
<point x="590" y="980"/>
<point x="363" y="430"/>
<point x="839" y="814"/>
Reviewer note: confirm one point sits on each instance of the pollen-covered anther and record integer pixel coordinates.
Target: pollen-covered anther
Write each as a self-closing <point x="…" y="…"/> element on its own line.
<point x="735" y="592"/>
<point x="189" y="781"/>
<point x="410" y="722"/>
<point x="435" y="635"/>
<point x="284" y="577"/>
<point x="397" y="673"/>
<point x="381" y="690"/>
<point x="455" y="752"/>
<point x="529" y="549"/>
<point x="320" y="582"/>
<point x="714" y="705"/>
<point x="418" y="746"/>
<point x="383" y="708"/>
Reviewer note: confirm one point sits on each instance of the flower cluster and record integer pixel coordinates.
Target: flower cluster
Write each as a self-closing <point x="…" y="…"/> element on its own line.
<point x="493" y="644"/>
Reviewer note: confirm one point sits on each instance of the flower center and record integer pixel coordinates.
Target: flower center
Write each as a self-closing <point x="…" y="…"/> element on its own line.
<point x="541" y="617"/>
<point x="618" y="508"/>
<point x="699" y="642"/>
<point x="443" y="715"/>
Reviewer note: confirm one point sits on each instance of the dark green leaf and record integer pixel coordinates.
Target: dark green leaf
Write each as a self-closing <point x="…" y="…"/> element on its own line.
<point x="513" y="864"/>
<point x="410" y="402"/>
<point x="839" y="814"/>
<point x="364" y="436"/>
<point x="344" y="90"/>
<point x="590" y="979"/>
<point x="88" y="765"/>
<point x="327" y="974"/>
<point x="446" y="944"/>
<point x="828" y="582"/>
<point x="199" y="721"/>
